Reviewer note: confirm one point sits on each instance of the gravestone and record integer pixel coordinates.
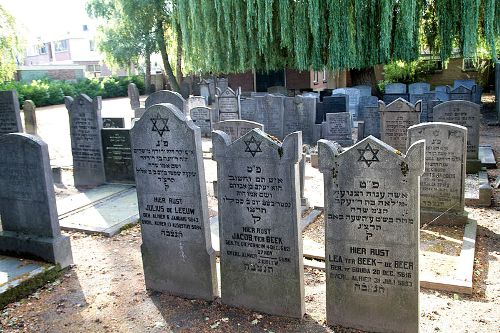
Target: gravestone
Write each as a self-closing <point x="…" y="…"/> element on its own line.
<point x="304" y="202"/>
<point x="442" y="186"/>
<point x="467" y="114"/>
<point x="166" y="96"/>
<point x="201" y="118"/>
<point x="372" y="235"/>
<point x="395" y="119"/>
<point x="467" y="83"/>
<point x="395" y="88"/>
<point x="222" y="84"/>
<point x="139" y="112"/>
<point x="10" y="117"/>
<point x="371" y="121"/>
<point x="133" y="95"/>
<point x="461" y="93"/>
<point x="235" y="129"/>
<point x="205" y="91"/>
<point x="270" y="113"/>
<point x="354" y="95"/>
<point x="389" y="98"/>
<point x="443" y="93"/>
<point x="212" y="89"/>
<point x="248" y="108"/>
<point x="85" y="126"/>
<point x="419" y="88"/>
<point x="108" y="122"/>
<point x="335" y="103"/>
<point x="29" y="222"/>
<point x="278" y="90"/>
<point x="430" y="109"/>
<point x="29" y="110"/>
<point x="194" y="102"/>
<point x="291" y="121"/>
<point x="176" y="248"/>
<point x="366" y="101"/>
<point x="364" y="90"/>
<point x="306" y="113"/>
<point x="228" y="104"/>
<point x="425" y="98"/>
<point x="117" y="154"/>
<point x="338" y="128"/>
<point x="261" y="244"/>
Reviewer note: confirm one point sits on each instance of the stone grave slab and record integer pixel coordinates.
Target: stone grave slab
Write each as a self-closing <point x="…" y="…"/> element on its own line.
<point x="478" y="190"/>
<point x="371" y="117"/>
<point x="372" y="235"/>
<point x="338" y="128"/>
<point x="270" y="113"/>
<point x="10" y="117"/>
<point x="442" y="93"/>
<point x="364" y="102"/>
<point x="419" y="88"/>
<point x="107" y="217"/>
<point x="85" y="124"/>
<point x="467" y="114"/>
<point x="29" y="222"/>
<point x="442" y="186"/>
<point x="468" y="83"/>
<point x="389" y="98"/>
<point x="259" y="207"/>
<point x="195" y="101"/>
<point x="173" y="207"/>
<point x="354" y="95"/>
<point x="364" y="90"/>
<point x="201" y="117"/>
<point x="29" y="110"/>
<point x="461" y="93"/>
<point x="290" y="116"/>
<point x="117" y="154"/>
<point x="248" y="108"/>
<point x="133" y="95"/>
<point x="487" y="156"/>
<point x="395" y="88"/>
<point x="237" y="128"/>
<point x="306" y="114"/>
<point x="228" y="104"/>
<point x="166" y="96"/>
<point x="395" y="119"/>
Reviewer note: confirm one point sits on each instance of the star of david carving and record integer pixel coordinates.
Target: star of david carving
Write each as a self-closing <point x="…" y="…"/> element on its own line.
<point x="368" y="155"/>
<point x="253" y="146"/>
<point x="160" y="125"/>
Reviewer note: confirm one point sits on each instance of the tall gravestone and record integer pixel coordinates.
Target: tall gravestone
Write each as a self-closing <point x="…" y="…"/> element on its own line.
<point x="467" y="114"/>
<point x="237" y="128"/>
<point x="291" y="119"/>
<point x="354" y="95"/>
<point x="85" y="126"/>
<point x="442" y="186"/>
<point x="133" y="95"/>
<point x="372" y="235"/>
<point x="306" y="113"/>
<point x="371" y="121"/>
<point x="364" y="90"/>
<point x="461" y="93"/>
<point x="338" y="128"/>
<point x="28" y="212"/>
<point x="393" y="91"/>
<point x="248" y="108"/>
<point x="270" y="113"/>
<point x="426" y="98"/>
<point x="29" y="110"/>
<point x="176" y="248"/>
<point x="10" y="117"/>
<point x="117" y="154"/>
<point x="201" y="116"/>
<point x="364" y="102"/>
<point x="205" y="91"/>
<point x="395" y="119"/>
<point x="259" y="204"/>
<point x="166" y="96"/>
<point x="228" y="104"/>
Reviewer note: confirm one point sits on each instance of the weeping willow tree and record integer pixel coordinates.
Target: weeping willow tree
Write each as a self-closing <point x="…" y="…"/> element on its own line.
<point x="224" y="36"/>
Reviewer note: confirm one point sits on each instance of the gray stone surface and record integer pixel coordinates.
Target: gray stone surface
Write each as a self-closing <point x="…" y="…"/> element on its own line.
<point x="222" y="83"/>
<point x="389" y="98"/>
<point x="304" y="203"/>
<point x="364" y="90"/>
<point x="176" y="247"/>
<point x="372" y="235"/>
<point x="205" y="91"/>
<point x="419" y="88"/>
<point x="201" y="116"/>
<point x="467" y="83"/>
<point x="29" y="110"/>
<point x="133" y="95"/>
<point x="395" y="119"/>
<point x="462" y="113"/>
<point x="354" y="95"/>
<point x="117" y="154"/>
<point x="85" y="126"/>
<point x="364" y="102"/>
<point x="442" y="186"/>
<point x="237" y="128"/>
<point x="166" y="96"/>
<point x="10" y="117"/>
<point x="306" y="113"/>
<point x="139" y="112"/>
<point x="425" y="98"/>
<point x="395" y="88"/>
<point x="248" y="108"/>
<point x="228" y="104"/>
<point x="194" y="102"/>
<point x="270" y="113"/>
<point x="371" y="116"/>
<point x="259" y="205"/>
<point x="278" y="90"/>
<point x="113" y="122"/>
<point x="443" y="93"/>
<point x="338" y="128"/>
<point x="29" y="222"/>
<point x="461" y="93"/>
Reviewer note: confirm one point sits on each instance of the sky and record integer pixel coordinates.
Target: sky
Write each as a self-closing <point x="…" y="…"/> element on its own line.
<point x="48" y="19"/>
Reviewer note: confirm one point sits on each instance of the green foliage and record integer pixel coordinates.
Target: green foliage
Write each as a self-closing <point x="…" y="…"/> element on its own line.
<point x="405" y="72"/>
<point x="48" y="92"/>
<point x="11" y="45"/>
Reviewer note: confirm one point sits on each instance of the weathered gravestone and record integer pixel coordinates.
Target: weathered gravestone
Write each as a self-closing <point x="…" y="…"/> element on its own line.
<point x="117" y="154"/>
<point x="354" y="95"/>
<point x="248" y="108"/>
<point x="205" y="91"/>
<point x="442" y="186"/>
<point x="306" y="114"/>
<point x="10" y="117"/>
<point x="270" y="113"/>
<point x="29" y="110"/>
<point x="467" y="83"/>
<point x="133" y="95"/>
<point x="364" y="90"/>
<point x="426" y="98"/>
<point x="465" y="114"/>
<point x="228" y="104"/>
<point x="166" y="96"/>
<point x="395" y="119"/>
<point x="393" y="91"/>
<point x="278" y="90"/>
<point x="419" y="88"/>
<point x="139" y="112"/>
<point x="461" y="93"/>
<point x="195" y="101"/>
<point x="176" y="246"/>
<point x="372" y="235"/>
<point x="28" y="213"/>
<point x="338" y="128"/>
<point x="371" y="122"/>
<point x="364" y="102"/>
<point x="201" y="118"/>
<point x="261" y="244"/>
<point x="222" y="83"/>
<point x="109" y="122"/>
<point x="443" y="93"/>
<point x="237" y="128"/>
<point x="85" y="126"/>
<point x="290" y="116"/>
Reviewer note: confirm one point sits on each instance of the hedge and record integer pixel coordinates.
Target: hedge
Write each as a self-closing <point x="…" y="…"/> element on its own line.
<point x="50" y="92"/>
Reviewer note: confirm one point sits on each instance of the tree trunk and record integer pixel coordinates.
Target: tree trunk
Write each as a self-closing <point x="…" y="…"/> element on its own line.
<point x="364" y="76"/>
<point x="178" y="68"/>
<point x="147" y="82"/>
<point x="174" y="85"/>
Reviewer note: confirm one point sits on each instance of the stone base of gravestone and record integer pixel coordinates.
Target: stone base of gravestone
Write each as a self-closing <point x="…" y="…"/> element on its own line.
<point x="473" y="166"/>
<point x="436" y="218"/>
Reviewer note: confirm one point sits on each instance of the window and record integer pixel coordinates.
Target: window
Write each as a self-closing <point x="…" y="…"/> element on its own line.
<point x="94" y="68"/>
<point x="92" y="45"/>
<point x="468" y="65"/>
<point x="325" y="78"/>
<point x="42" y="49"/>
<point x="61" y="45"/>
<point x="315" y="77"/>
